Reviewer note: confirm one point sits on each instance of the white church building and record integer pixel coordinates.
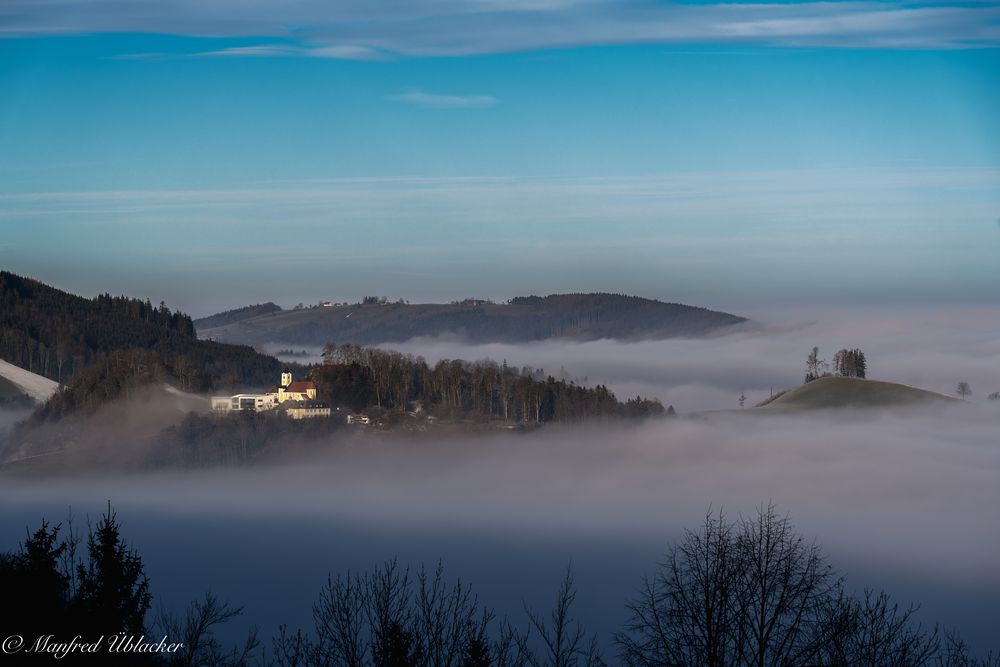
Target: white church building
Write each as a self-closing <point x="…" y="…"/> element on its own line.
<point x="294" y="393"/>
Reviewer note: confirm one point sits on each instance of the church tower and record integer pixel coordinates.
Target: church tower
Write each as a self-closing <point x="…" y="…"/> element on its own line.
<point x="286" y="379"/>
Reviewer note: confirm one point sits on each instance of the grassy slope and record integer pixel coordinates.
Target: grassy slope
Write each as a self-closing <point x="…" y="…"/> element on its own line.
<point x="839" y="392"/>
<point x="236" y="315"/>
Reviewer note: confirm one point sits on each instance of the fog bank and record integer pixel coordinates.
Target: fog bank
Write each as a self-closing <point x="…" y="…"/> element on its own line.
<point x="909" y="494"/>
<point x="904" y="499"/>
<point x="930" y="348"/>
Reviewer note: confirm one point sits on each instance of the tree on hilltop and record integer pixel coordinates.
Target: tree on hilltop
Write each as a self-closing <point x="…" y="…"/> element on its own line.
<point x="815" y="367"/>
<point x="850" y="363"/>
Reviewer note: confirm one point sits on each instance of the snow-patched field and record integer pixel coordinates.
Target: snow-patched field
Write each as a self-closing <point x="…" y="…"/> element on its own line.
<point x="38" y="387"/>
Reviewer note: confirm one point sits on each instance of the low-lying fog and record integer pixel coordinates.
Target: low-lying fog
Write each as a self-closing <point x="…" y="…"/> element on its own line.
<point x="904" y="500"/>
<point x="934" y="348"/>
<point x="907" y="502"/>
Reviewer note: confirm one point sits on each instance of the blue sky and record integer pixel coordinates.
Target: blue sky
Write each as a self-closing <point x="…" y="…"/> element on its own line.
<point x="217" y="153"/>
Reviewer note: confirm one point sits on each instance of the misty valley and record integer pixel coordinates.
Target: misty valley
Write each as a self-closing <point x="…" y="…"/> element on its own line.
<point x="499" y="333"/>
<point x="419" y="502"/>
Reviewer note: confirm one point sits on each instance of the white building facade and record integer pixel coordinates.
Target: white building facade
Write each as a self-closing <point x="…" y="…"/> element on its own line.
<point x="302" y="392"/>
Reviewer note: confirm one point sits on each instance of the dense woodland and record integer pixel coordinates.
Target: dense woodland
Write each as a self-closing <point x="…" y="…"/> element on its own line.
<point x="116" y="375"/>
<point x="389" y="386"/>
<point x="360" y="377"/>
<point x="54" y="333"/>
<point x="103" y="345"/>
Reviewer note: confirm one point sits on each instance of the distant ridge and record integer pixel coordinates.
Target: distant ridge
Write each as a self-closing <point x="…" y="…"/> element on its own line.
<point x="843" y="392"/>
<point x="523" y="319"/>
<point x="236" y="315"/>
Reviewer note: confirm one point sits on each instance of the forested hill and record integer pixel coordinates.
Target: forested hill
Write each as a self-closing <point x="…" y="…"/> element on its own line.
<point x="53" y="333"/>
<point x="57" y="334"/>
<point x="522" y="319"/>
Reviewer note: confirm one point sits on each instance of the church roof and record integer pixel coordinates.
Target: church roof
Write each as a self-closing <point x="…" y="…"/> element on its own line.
<point x="301" y="386"/>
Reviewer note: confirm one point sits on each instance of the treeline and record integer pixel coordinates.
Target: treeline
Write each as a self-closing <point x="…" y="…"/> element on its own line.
<point x="57" y="334"/>
<point x="846" y="363"/>
<point x="54" y="333"/>
<point x="850" y="363"/>
<point x="361" y="377"/>
<point x="607" y="301"/>
<point x="740" y="593"/>
<point x="103" y="347"/>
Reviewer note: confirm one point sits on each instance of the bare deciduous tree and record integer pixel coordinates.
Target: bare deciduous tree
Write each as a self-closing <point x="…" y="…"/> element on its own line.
<point x="196" y="633"/>
<point x="955" y="653"/>
<point x="562" y="641"/>
<point x="876" y="632"/>
<point x="815" y="367"/>
<point x="754" y="593"/>
<point x="387" y="618"/>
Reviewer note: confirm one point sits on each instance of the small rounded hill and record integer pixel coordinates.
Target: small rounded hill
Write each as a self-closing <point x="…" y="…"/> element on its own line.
<point x="846" y="392"/>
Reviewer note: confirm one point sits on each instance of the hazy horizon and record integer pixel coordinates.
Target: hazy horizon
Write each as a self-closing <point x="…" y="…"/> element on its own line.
<point x="913" y="238"/>
<point x="724" y="155"/>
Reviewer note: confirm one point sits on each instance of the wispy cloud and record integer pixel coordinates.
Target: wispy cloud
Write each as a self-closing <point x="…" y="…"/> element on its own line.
<point x="262" y="50"/>
<point x="346" y="52"/>
<point x="146" y="55"/>
<point x="433" y="101"/>
<point x="337" y="51"/>
<point x="358" y="29"/>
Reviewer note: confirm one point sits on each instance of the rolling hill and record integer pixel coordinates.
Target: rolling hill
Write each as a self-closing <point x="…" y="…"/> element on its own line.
<point x="106" y="347"/>
<point x="844" y="392"/>
<point x="523" y="319"/>
<point x="237" y="315"/>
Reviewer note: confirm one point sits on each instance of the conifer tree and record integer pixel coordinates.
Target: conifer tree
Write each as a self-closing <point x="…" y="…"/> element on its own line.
<point x="113" y="589"/>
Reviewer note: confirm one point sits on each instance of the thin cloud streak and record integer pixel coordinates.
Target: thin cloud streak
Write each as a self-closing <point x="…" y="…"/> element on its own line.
<point x="337" y="51"/>
<point x="357" y="30"/>
<point x="434" y="101"/>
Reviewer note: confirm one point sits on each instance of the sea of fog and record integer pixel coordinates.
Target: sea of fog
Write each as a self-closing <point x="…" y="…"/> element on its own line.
<point x="905" y="501"/>
<point x="934" y="348"/>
